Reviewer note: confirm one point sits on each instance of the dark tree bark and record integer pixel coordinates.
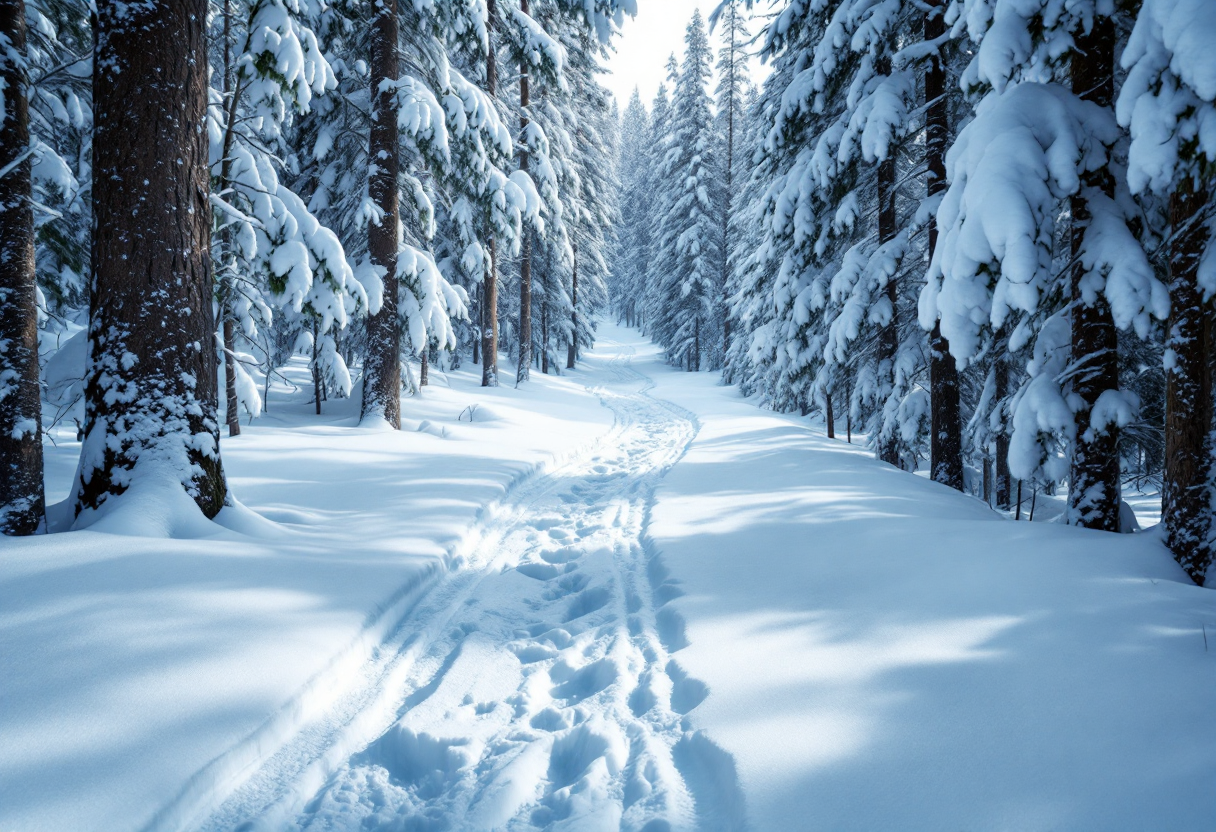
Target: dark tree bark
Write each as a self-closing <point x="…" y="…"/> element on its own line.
<point x="831" y="417"/>
<point x="227" y="280"/>
<point x="572" y="352"/>
<point x="544" y="330"/>
<point x="888" y="338"/>
<point x="22" y="495"/>
<point x="150" y="398"/>
<point x="1186" y="506"/>
<point x="525" y="264"/>
<point x="489" y="295"/>
<point x="946" y="439"/>
<point x="1004" y="479"/>
<point x="382" y="364"/>
<point x="1093" y="494"/>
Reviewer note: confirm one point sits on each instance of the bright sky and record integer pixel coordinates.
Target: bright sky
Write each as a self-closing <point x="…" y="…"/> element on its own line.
<point x="647" y="40"/>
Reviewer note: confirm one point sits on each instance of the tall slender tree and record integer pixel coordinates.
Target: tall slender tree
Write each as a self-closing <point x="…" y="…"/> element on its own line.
<point x="382" y="365"/>
<point x="945" y="433"/>
<point x="151" y="388"/>
<point x="22" y="495"/>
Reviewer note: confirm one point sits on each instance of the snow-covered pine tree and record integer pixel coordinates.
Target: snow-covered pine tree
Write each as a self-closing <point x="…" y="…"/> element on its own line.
<point x="1169" y="102"/>
<point x="22" y="495"/>
<point x="1043" y="135"/>
<point x="270" y="249"/>
<point x="731" y="94"/>
<point x="630" y="263"/>
<point x="691" y="227"/>
<point x="656" y="311"/>
<point x="945" y="431"/>
<point x="151" y="392"/>
<point x="382" y="362"/>
<point x="594" y="213"/>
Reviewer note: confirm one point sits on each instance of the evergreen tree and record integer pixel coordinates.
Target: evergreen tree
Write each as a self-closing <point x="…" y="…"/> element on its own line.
<point x="1169" y="102"/>
<point x="22" y="496"/>
<point x="151" y="392"/>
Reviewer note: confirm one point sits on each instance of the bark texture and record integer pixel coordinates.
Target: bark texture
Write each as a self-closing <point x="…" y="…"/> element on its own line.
<point x="22" y="497"/>
<point x="525" y="263"/>
<point x="489" y="294"/>
<point x="1093" y="494"/>
<point x="150" y="398"/>
<point x="572" y="351"/>
<point x="946" y="439"/>
<point x="888" y="338"/>
<point x="1187" y="499"/>
<point x="382" y="365"/>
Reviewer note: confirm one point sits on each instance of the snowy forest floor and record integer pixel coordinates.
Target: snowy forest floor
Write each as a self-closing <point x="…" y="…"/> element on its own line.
<point x="625" y="598"/>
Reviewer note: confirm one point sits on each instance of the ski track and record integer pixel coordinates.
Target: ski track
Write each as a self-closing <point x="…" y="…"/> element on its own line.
<point x="533" y="688"/>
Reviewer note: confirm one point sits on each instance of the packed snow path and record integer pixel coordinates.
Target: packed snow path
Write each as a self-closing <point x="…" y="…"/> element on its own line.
<point x="534" y="688"/>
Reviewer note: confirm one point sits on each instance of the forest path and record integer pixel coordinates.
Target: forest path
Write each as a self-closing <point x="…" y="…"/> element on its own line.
<point x="534" y="687"/>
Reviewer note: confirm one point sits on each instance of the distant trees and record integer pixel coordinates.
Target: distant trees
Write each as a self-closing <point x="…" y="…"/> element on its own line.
<point x="329" y="189"/>
<point x="1010" y="276"/>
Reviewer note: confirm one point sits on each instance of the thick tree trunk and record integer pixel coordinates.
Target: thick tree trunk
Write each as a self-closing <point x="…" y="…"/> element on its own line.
<point x="1186" y="498"/>
<point x="424" y="372"/>
<point x="382" y="364"/>
<point x="572" y="352"/>
<point x="1093" y="494"/>
<point x="946" y="440"/>
<point x="489" y="295"/>
<point x="525" y="264"/>
<point x="150" y="397"/>
<point x="888" y="339"/>
<point x="22" y="496"/>
<point x="831" y="417"/>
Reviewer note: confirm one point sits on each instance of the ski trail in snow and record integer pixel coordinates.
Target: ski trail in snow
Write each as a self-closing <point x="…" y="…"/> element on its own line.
<point x="535" y="688"/>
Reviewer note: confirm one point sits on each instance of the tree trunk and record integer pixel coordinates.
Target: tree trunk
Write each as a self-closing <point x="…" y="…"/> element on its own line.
<point x="480" y="322"/>
<point x="228" y="275"/>
<point x="572" y="352"/>
<point x="831" y="417"/>
<point x="946" y="439"/>
<point x="232" y="402"/>
<point x="1186" y="500"/>
<point x="150" y="397"/>
<point x="382" y="364"/>
<point x="316" y="367"/>
<point x="1093" y="494"/>
<point x="489" y="332"/>
<point x="1004" y="479"/>
<point x="544" y="332"/>
<point x="525" y="264"/>
<point x="694" y="365"/>
<point x="424" y="372"/>
<point x="888" y="339"/>
<point x="22" y="494"/>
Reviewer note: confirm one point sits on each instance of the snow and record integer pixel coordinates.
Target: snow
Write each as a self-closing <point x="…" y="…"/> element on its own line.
<point x="130" y="663"/>
<point x="625" y="598"/>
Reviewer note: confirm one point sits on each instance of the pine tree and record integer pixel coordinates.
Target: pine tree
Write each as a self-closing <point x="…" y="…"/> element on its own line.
<point x="381" y="365"/>
<point x="151" y="404"/>
<point x="1169" y="102"/>
<point x="732" y="95"/>
<point x="690" y="234"/>
<point x="946" y="442"/>
<point x="630" y="263"/>
<point x="22" y="496"/>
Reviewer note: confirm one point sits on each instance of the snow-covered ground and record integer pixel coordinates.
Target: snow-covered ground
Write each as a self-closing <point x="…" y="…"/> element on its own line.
<point x="622" y="599"/>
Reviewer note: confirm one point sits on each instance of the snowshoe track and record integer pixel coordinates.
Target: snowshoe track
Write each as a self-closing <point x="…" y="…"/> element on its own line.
<point x="535" y="688"/>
